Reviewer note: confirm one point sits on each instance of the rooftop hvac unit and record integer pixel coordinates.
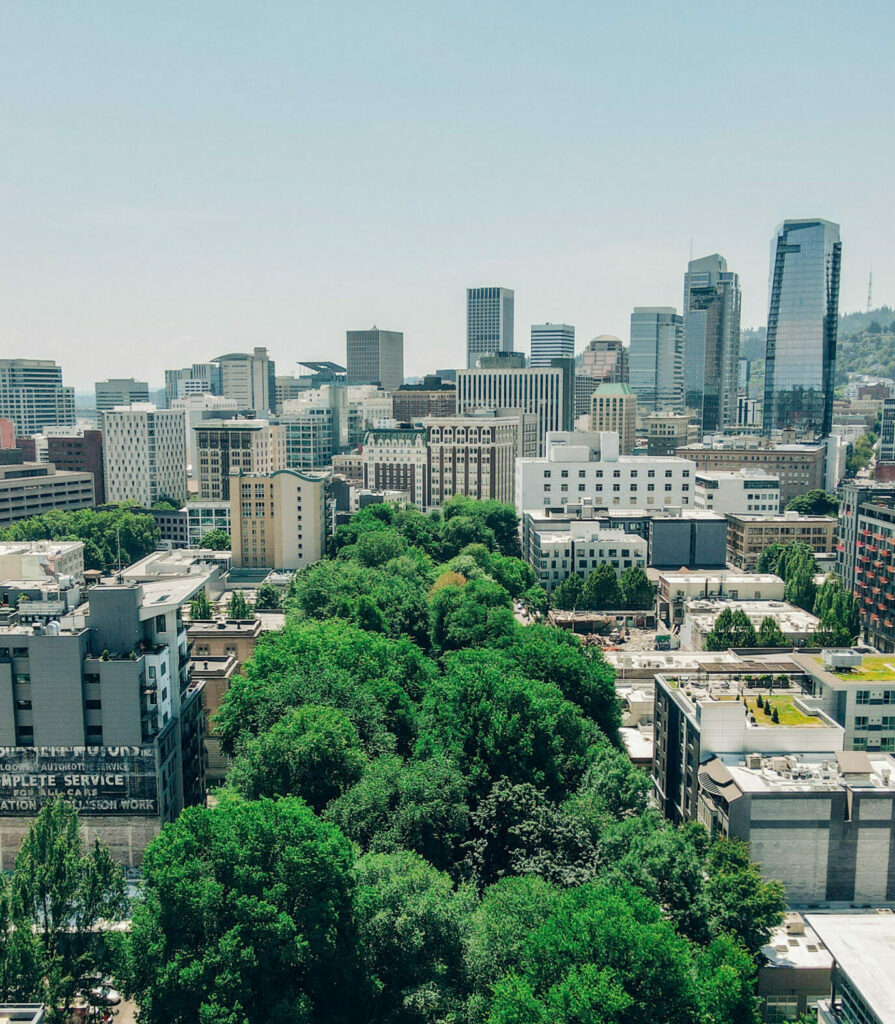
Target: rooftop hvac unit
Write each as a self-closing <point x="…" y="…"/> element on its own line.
<point x="753" y="761"/>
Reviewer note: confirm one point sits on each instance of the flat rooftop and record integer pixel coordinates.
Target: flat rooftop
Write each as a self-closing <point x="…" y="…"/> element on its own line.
<point x="785" y="700"/>
<point x="803" y="772"/>
<point x="787" y="616"/>
<point x="719" y="576"/>
<point x="874" y="668"/>
<point x="796" y="944"/>
<point x="863" y="946"/>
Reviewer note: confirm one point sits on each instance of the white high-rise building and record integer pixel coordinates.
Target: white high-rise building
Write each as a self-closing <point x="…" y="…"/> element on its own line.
<point x="551" y="341"/>
<point x="32" y="395"/>
<point x="144" y="454"/>
<point x="548" y="392"/>
<point x="250" y="379"/>
<point x="489" y="322"/>
<point x="586" y="466"/>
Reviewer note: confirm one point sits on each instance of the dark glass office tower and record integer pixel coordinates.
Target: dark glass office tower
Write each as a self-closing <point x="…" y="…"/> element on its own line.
<point x="711" y="341"/>
<point x="803" y="315"/>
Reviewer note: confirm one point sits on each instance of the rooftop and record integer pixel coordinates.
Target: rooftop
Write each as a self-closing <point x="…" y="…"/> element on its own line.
<point x="787" y="616"/>
<point x="873" y="668"/>
<point x="803" y="772"/>
<point x="781" y="517"/>
<point x="794" y="944"/>
<point x="863" y="946"/>
<point x="791" y="712"/>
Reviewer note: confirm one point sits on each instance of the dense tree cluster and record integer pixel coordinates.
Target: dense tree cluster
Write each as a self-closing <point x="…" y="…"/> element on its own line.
<point x="814" y="503"/>
<point x="101" y="531"/>
<point x="603" y="590"/>
<point x="429" y="819"/>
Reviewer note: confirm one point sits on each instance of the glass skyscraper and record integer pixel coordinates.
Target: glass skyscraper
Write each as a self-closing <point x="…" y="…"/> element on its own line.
<point x="655" y="359"/>
<point x="803" y="317"/>
<point x="711" y="341"/>
<point x="489" y="322"/>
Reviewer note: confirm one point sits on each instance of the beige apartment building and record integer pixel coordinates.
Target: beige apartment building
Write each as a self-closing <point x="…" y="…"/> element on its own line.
<point x="799" y="467"/>
<point x="472" y="455"/>
<point x="667" y="431"/>
<point x="613" y="407"/>
<point x="749" y="534"/>
<point x="226" y="446"/>
<point x="278" y="520"/>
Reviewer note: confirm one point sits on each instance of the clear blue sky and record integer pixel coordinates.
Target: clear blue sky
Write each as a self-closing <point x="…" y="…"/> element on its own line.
<point x="183" y="179"/>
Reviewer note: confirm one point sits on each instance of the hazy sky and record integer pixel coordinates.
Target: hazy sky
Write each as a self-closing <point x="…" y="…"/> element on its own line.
<point x="179" y="180"/>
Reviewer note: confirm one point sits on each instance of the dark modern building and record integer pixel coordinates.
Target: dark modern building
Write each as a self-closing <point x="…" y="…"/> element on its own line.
<point x="431" y="397"/>
<point x="657" y="359"/>
<point x="376" y="357"/>
<point x="489" y="323"/>
<point x="803" y="317"/>
<point x="80" y="453"/>
<point x="711" y="341"/>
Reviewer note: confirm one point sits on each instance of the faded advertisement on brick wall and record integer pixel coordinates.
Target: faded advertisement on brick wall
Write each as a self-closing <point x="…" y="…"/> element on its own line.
<point x="98" y="780"/>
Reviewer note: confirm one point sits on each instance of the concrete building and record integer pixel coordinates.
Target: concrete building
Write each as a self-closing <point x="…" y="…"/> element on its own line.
<point x="668" y="431"/>
<point x="547" y="392"/>
<point x="489" y="322"/>
<point x="433" y="397"/>
<point x="253" y="446"/>
<point x="22" y="1013"/>
<point x="41" y="560"/>
<point x="794" y="972"/>
<point x="278" y="520"/>
<point x="863" y="950"/>
<point x="398" y="460"/>
<point x="581" y="549"/>
<point x="614" y="409"/>
<point x="350" y="466"/>
<point x="31" y="488"/>
<point x="748" y="534"/>
<point x="197" y="407"/>
<point x="198" y="379"/>
<point x="204" y="516"/>
<point x="32" y="395"/>
<point x="375" y="357"/>
<point x="603" y="361"/>
<point x="250" y="379"/>
<point x="800" y="467"/>
<point x="675" y="590"/>
<point x="472" y="455"/>
<point x="675" y="537"/>
<point x="820" y="822"/>
<point x="119" y="391"/>
<point x="582" y="465"/>
<point x="80" y="452"/>
<point x="700" y="616"/>
<point x="711" y="341"/>
<point x="656" y="358"/>
<point x="551" y="341"/>
<point x="737" y="492"/>
<point x="144" y="454"/>
<point x="101" y="707"/>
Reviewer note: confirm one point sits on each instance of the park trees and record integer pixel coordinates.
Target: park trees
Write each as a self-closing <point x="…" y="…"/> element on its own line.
<point x="731" y="629"/>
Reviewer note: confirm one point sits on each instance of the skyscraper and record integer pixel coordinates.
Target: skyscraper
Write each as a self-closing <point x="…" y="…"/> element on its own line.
<point x="551" y="341"/>
<point x="656" y="359"/>
<point x="803" y="314"/>
<point x="119" y="391"/>
<point x="603" y="361"/>
<point x="711" y="341"/>
<point x="489" y="322"/>
<point x="376" y="357"/>
<point x="32" y="395"/>
<point x="250" y="379"/>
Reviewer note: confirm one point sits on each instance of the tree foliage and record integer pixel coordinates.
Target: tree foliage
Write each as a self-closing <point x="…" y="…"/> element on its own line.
<point x="814" y="503"/>
<point x="731" y="629"/>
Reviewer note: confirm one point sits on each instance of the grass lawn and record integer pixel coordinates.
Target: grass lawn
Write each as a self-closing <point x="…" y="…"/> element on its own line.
<point x="878" y="669"/>
<point x="787" y="712"/>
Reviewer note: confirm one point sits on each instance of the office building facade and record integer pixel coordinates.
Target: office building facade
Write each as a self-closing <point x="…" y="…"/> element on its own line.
<point x="144" y="454"/>
<point x="471" y="455"/>
<point x="376" y="357"/>
<point x="222" y="446"/>
<point x="80" y="453"/>
<point x="656" y="358"/>
<point x="551" y="341"/>
<point x="711" y="341"/>
<point x="803" y="320"/>
<point x="119" y="391"/>
<point x="489" y="323"/>
<point x="198" y="379"/>
<point x="397" y="460"/>
<point x="32" y="395"/>
<point x="432" y="397"/>
<point x="31" y="488"/>
<point x="250" y="379"/>
<point x="749" y="533"/>
<point x="614" y="408"/>
<point x="743" y="491"/>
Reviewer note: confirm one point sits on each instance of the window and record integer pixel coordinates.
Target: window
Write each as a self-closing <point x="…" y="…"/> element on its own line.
<point x="861" y="722"/>
<point x="862" y="697"/>
<point x="94" y="705"/>
<point x="23" y="705"/>
<point x="888" y="696"/>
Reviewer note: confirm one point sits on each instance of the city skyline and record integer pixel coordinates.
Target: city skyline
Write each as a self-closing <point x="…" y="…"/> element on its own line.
<point x="158" y="191"/>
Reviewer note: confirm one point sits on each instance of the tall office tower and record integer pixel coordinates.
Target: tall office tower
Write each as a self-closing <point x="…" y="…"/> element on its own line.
<point x="195" y="409"/>
<point x="119" y="391"/>
<point x="803" y="318"/>
<point x="657" y="359"/>
<point x="144" y="454"/>
<point x="489" y="322"/>
<point x="548" y="392"/>
<point x="250" y="378"/>
<point x="376" y="357"/>
<point x="711" y="341"/>
<point x="32" y="395"/>
<point x="603" y="361"/>
<point x="222" y="446"/>
<point x="614" y="410"/>
<point x="551" y="341"/>
<point x="198" y="379"/>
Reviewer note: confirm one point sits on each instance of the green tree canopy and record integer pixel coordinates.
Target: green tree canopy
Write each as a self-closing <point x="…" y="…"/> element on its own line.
<point x="268" y="597"/>
<point x="246" y="915"/>
<point x="770" y="634"/>
<point x="732" y="629"/>
<point x="814" y="503"/>
<point x="636" y="590"/>
<point x="601" y="590"/>
<point x="239" y="607"/>
<point x="215" y="540"/>
<point x="568" y="595"/>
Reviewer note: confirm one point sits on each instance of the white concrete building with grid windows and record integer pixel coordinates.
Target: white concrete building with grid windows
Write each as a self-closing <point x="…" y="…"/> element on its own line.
<point x="586" y="466"/>
<point x="144" y="454"/>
